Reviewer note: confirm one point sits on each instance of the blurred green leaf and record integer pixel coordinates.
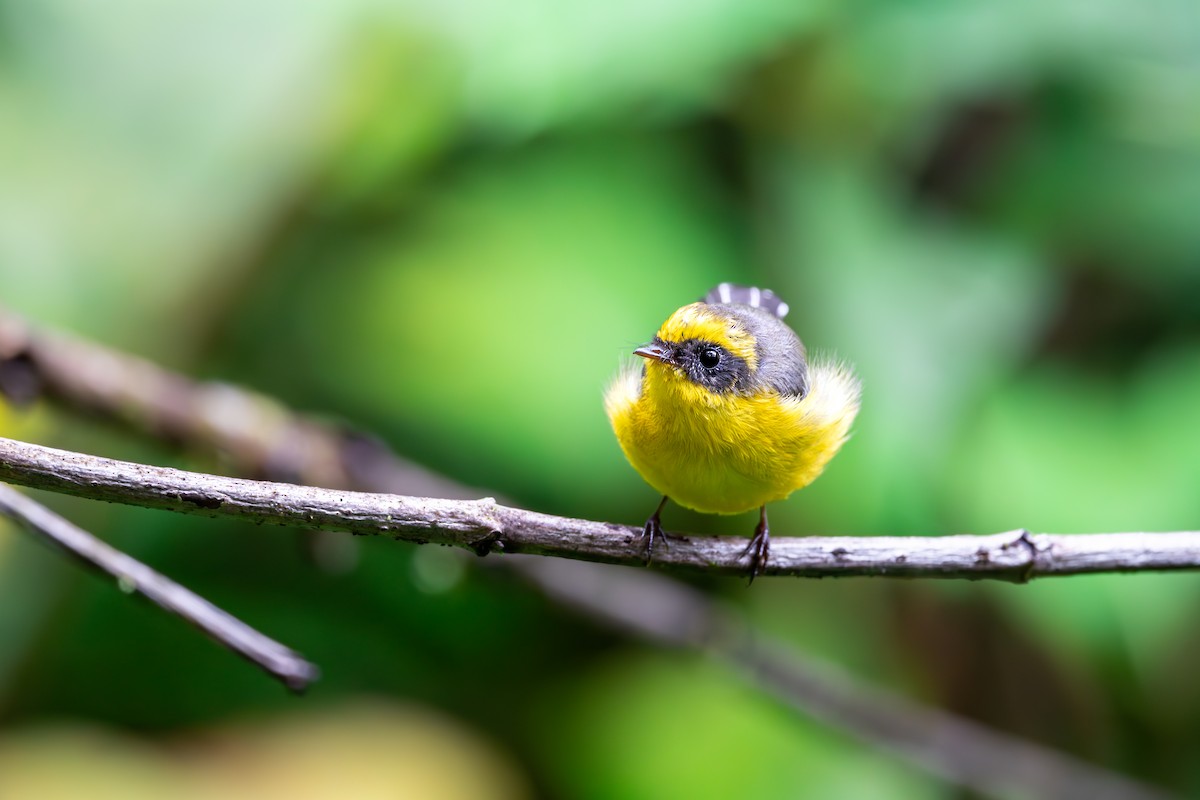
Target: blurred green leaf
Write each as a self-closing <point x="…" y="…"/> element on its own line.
<point x="1061" y="451"/>
<point x="536" y="64"/>
<point x="655" y="726"/>
<point x="151" y="146"/>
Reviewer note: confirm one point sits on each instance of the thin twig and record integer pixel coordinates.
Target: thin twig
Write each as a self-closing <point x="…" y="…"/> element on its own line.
<point x="259" y="437"/>
<point x="485" y="526"/>
<point x="134" y="576"/>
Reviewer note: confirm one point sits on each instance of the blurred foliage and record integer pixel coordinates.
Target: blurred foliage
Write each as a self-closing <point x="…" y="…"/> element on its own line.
<point x="299" y="755"/>
<point x="599" y="754"/>
<point x="450" y="222"/>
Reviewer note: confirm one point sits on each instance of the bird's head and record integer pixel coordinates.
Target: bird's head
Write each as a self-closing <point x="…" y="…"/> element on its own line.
<point x="705" y="346"/>
<point x="706" y="351"/>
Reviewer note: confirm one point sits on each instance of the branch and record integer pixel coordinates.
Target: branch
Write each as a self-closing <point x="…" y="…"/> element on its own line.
<point x="271" y="656"/>
<point x="484" y="526"/>
<point x="259" y="437"/>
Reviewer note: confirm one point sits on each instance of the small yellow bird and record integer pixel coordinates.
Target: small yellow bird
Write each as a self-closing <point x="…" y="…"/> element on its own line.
<point x="727" y="414"/>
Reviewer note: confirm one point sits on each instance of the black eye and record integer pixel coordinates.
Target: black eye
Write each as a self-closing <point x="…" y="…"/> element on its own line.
<point x="710" y="357"/>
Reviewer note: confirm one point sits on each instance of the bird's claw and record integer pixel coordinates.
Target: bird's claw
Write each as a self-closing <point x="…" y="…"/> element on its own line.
<point x="653" y="530"/>
<point x="651" y="533"/>
<point x="759" y="549"/>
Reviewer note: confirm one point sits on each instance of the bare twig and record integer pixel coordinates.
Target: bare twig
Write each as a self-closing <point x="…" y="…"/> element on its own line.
<point x="485" y="526"/>
<point x="261" y="438"/>
<point x="134" y="576"/>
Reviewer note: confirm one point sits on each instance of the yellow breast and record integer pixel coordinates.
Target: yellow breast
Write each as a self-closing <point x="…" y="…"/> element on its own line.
<point x="728" y="453"/>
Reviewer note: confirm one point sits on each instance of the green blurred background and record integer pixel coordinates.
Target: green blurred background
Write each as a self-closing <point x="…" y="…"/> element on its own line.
<point x="449" y="222"/>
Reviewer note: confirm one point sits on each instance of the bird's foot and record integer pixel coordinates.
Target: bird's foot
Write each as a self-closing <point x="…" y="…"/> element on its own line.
<point x="759" y="549"/>
<point x="654" y="532"/>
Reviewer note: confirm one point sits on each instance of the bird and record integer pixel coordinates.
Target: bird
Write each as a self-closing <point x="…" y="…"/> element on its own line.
<point x="727" y="413"/>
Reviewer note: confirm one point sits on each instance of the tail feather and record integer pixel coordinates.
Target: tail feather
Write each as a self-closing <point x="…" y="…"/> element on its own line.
<point x="725" y="293"/>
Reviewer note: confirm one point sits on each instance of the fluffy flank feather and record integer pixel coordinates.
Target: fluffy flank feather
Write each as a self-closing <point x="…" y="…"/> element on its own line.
<point x="623" y="391"/>
<point x="835" y="394"/>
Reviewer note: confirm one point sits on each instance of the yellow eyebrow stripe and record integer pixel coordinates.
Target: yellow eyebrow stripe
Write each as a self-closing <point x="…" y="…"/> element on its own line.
<point x="699" y="321"/>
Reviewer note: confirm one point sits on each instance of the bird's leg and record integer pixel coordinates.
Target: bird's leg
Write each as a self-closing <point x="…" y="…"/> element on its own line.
<point x="759" y="548"/>
<point x="653" y="530"/>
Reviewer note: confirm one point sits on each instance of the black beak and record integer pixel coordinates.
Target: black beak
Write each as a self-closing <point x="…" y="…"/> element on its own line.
<point x="653" y="350"/>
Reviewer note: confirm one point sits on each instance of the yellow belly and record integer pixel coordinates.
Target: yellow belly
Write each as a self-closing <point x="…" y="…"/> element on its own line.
<point x="727" y="453"/>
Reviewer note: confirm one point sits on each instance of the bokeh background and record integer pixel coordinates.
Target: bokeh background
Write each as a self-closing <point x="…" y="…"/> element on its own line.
<point x="449" y="222"/>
